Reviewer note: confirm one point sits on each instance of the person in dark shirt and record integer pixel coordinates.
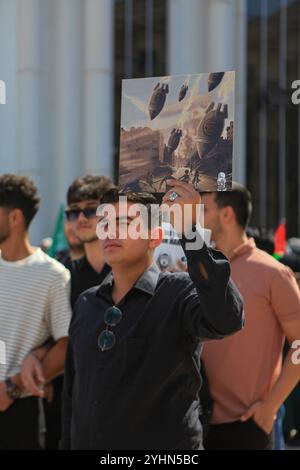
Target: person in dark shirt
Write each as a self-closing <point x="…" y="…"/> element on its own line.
<point x="87" y="271"/>
<point x="83" y="199"/>
<point x="132" y="374"/>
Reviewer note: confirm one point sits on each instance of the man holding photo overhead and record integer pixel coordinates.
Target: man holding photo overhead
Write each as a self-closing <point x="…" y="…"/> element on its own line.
<point x="132" y="372"/>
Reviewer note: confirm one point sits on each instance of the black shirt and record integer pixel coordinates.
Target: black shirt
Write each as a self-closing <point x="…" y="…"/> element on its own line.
<point x="143" y="393"/>
<point x="83" y="277"/>
<point x="63" y="256"/>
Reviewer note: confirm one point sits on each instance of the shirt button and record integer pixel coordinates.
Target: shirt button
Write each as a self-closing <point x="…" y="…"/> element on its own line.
<point x="96" y="402"/>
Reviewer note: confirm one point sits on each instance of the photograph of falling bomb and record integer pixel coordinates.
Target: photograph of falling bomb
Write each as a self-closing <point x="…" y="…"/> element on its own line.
<point x="177" y="127"/>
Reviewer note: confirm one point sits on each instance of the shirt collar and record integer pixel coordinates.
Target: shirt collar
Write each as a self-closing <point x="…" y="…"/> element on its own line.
<point x="81" y="263"/>
<point x="243" y="248"/>
<point x="147" y="282"/>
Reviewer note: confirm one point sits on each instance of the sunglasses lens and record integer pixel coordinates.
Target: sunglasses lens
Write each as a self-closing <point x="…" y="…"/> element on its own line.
<point x="112" y="316"/>
<point x="106" y="340"/>
<point x="72" y="215"/>
<point x="90" y="213"/>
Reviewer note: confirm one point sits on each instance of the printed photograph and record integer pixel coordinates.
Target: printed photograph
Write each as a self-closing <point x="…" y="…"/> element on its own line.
<point x="177" y="127"/>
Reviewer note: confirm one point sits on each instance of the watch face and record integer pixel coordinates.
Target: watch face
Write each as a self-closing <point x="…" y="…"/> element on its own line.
<point x="12" y="390"/>
<point x="15" y="394"/>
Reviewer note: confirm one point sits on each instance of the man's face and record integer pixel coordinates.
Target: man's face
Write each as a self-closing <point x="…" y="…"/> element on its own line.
<point x="71" y="238"/>
<point x="4" y="225"/>
<point x="120" y="247"/>
<point x="212" y="215"/>
<point x="84" y="226"/>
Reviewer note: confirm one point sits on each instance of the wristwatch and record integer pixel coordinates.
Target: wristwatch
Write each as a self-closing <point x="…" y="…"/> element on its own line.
<point x="13" y="391"/>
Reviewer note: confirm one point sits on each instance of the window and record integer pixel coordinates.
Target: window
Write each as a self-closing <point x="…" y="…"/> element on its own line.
<point x="140" y="46"/>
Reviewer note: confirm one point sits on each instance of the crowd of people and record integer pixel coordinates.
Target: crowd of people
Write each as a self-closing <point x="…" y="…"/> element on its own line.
<point x="114" y="353"/>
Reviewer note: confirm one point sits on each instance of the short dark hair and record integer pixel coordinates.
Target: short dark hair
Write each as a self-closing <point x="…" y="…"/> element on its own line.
<point x="19" y="192"/>
<point x="88" y="187"/>
<point x="239" y="198"/>
<point x="146" y="199"/>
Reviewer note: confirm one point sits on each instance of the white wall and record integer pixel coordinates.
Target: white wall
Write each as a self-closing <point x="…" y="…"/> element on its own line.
<point x="210" y="36"/>
<point x="56" y="58"/>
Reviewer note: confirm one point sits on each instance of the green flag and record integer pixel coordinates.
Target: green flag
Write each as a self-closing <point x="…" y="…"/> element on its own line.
<point x="59" y="241"/>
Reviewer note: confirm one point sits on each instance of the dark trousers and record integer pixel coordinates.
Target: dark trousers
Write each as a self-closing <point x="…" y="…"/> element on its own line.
<point x="19" y="425"/>
<point x="238" y="436"/>
<point x="53" y="412"/>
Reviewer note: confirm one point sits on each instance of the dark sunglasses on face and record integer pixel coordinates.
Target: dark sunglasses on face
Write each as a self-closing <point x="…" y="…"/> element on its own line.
<point x="73" y="214"/>
<point x="107" y="339"/>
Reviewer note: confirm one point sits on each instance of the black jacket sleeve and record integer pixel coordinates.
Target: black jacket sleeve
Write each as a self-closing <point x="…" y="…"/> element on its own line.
<point x="65" y="443"/>
<point x="213" y="307"/>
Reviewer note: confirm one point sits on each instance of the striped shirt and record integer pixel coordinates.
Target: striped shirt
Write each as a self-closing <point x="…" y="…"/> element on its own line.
<point x="34" y="306"/>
